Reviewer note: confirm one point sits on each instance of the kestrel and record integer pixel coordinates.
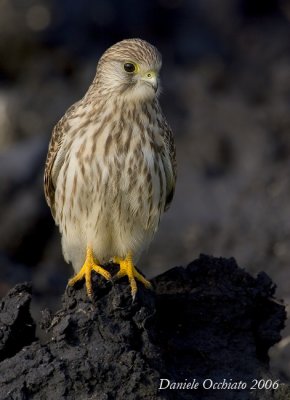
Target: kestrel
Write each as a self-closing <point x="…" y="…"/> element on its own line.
<point x="110" y="170"/>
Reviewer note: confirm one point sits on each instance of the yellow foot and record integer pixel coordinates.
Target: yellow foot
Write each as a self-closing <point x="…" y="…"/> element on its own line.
<point x="86" y="270"/>
<point x="127" y="269"/>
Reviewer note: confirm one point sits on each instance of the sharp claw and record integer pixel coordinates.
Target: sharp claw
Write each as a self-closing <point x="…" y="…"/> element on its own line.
<point x="127" y="269"/>
<point x="85" y="273"/>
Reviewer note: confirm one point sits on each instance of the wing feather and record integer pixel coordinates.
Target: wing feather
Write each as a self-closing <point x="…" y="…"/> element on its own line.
<point x="51" y="167"/>
<point x="170" y="165"/>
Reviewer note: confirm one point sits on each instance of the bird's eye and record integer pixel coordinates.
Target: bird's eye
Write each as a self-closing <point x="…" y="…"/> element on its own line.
<point x="129" y="67"/>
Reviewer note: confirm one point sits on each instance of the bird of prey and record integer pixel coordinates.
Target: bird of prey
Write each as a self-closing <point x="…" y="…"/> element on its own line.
<point x="110" y="170"/>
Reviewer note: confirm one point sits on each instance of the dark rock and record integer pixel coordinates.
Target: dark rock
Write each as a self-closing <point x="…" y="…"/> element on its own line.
<point x="17" y="328"/>
<point x="211" y="320"/>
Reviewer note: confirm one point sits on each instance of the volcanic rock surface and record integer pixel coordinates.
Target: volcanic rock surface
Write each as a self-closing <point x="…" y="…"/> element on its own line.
<point x="210" y="320"/>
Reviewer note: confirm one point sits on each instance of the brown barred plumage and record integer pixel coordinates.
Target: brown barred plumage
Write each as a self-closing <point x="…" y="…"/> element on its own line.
<point x="110" y="170"/>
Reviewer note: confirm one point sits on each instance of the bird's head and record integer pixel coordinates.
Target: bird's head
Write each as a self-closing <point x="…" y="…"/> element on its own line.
<point x="130" y="69"/>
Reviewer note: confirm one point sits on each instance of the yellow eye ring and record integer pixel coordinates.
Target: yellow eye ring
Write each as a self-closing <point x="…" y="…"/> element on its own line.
<point x="130" y="67"/>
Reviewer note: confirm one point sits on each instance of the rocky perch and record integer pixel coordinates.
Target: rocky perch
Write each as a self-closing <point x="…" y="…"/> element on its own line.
<point x="210" y="323"/>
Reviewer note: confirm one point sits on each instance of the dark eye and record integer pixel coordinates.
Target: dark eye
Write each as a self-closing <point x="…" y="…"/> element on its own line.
<point x="129" y="67"/>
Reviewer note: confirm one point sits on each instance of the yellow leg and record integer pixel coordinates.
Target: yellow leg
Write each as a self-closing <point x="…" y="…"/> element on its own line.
<point x="127" y="269"/>
<point x="85" y="272"/>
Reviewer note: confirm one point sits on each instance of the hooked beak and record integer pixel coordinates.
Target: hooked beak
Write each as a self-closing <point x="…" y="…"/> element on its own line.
<point x="151" y="78"/>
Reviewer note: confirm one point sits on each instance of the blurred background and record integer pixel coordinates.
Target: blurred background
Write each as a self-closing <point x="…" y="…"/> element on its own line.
<point x="226" y="93"/>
